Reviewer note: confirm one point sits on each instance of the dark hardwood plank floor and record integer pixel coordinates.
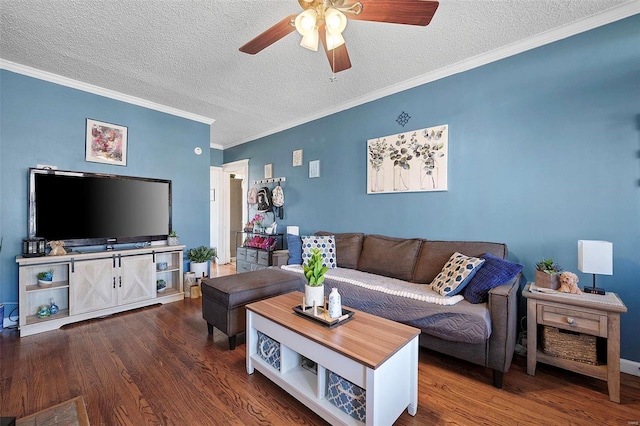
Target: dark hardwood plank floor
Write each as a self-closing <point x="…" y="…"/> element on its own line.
<point x="158" y="366"/>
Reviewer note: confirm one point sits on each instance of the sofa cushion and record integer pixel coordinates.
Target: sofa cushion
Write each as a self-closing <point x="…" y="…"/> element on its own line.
<point x="294" y="243"/>
<point x="456" y="274"/>
<point x="348" y="248"/>
<point x="389" y="256"/>
<point x="434" y="254"/>
<point x="325" y="243"/>
<point x="494" y="272"/>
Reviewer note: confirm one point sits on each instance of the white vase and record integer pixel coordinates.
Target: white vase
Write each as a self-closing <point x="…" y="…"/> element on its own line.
<point x="312" y="294"/>
<point x="200" y="268"/>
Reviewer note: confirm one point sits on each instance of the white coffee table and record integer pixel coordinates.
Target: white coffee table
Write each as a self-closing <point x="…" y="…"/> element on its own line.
<point x="374" y="353"/>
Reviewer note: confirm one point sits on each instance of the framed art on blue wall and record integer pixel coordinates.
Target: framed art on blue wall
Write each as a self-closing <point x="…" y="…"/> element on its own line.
<point x="106" y="143"/>
<point x="408" y="162"/>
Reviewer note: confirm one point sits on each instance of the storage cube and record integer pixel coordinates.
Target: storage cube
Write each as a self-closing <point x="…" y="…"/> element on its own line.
<point x="347" y="397"/>
<point x="269" y="350"/>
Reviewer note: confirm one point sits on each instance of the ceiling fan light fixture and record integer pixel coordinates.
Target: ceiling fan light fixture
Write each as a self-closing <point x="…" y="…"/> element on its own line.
<point x="310" y="40"/>
<point x="334" y="40"/>
<point x="305" y="22"/>
<point x="334" y="20"/>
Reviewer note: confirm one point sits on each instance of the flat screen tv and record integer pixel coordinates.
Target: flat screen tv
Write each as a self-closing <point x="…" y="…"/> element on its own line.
<point x="90" y="209"/>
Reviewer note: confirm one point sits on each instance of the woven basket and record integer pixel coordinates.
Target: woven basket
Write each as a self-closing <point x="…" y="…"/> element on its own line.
<point x="569" y="345"/>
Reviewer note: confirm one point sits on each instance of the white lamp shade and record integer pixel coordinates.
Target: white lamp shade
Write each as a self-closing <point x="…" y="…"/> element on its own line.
<point x="334" y="40"/>
<point x="595" y="257"/>
<point x="310" y="41"/>
<point x="335" y="21"/>
<point x="306" y="22"/>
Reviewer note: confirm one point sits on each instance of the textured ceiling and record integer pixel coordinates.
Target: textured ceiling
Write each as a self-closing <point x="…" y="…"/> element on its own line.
<point x="184" y="54"/>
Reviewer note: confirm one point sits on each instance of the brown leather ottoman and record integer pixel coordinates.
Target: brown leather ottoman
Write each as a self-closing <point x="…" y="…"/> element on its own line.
<point x="224" y="298"/>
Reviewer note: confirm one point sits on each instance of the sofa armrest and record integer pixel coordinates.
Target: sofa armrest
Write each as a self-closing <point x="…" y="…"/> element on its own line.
<point x="503" y="309"/>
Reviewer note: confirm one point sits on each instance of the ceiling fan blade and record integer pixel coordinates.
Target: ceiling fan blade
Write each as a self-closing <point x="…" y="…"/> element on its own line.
<point x="270" y="36"/>
<point x="408" y="12"/>
<point x="338" y="57"/>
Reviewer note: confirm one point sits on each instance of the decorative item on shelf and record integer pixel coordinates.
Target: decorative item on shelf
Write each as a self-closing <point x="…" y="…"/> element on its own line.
<point x="548" y="274"/>
<point x="248" y="227"/>
<point x="257" y="222"/>
<point x="264" y="243"/>
<point x="33" y="247"/>
<point x="53" y="308"/>
<point x="195" y="289"/>
<point x="45" y="278"/>
<point x="57" y="248"/>
<point x="569" y="283"/>
<point x="173" y="239"/>
<point x="595" y="257"/>
<point x="161" y="285"/>
<point x="335" y="304"/>
<point x="162" y="266"/>
<point x="314" y="272"/>
<point x="199" y="258"/>
<point x="43" y="311"/>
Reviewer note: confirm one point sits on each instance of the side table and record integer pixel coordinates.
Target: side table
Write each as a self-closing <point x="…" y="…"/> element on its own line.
<point x="592" y="314"/>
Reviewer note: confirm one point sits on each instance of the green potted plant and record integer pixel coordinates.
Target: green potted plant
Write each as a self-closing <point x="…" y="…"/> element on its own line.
<point x="45" y="278"/>
<point x="548" y="274"/>
<point x="314" y="272"/>
<point x="173" y="239"/>
<point x="199" y="258"/>
<point x="161" y="285"/>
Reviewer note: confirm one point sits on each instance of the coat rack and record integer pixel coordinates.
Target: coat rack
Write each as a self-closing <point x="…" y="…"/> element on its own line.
<point x="270" y="180"/>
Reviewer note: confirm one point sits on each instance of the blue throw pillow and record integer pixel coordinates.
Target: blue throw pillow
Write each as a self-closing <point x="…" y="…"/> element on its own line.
<point x="294" y="243"/>
<point x="494" y="272"/>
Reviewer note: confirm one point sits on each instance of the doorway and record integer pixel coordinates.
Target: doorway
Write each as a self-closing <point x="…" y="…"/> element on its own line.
<point x="233" y="206"/>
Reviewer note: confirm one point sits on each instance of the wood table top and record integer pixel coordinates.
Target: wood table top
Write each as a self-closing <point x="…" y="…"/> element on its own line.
<point x="368" y="339"/>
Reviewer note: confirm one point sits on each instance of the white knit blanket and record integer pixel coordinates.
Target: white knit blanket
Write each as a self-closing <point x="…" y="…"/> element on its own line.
<point x="422" y="292"/>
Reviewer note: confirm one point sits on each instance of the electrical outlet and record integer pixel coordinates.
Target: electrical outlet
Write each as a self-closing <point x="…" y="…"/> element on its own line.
<point x="47" y="167"/>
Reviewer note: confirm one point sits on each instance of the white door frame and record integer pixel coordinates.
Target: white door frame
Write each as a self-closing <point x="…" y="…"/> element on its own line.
<point x="240" y="167"/>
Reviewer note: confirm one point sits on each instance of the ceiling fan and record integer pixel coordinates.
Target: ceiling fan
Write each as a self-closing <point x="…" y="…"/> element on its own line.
<point x="325" y="20"/>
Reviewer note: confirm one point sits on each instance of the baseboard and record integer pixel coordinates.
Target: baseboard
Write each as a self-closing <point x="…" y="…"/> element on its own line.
<point x="8" y="323"/>
<point x="629" y="367"/>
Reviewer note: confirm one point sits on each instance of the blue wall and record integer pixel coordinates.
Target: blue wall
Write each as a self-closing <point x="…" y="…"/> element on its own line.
<point x="543" y="151"/>
<point x="44" y="123"/>
<point x="216" y="157"/>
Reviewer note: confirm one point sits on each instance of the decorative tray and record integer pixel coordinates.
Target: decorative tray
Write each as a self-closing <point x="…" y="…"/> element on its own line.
<point x="323" y="316"/>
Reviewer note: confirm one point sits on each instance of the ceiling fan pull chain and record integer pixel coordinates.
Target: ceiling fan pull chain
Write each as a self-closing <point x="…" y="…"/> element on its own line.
<point x="333" y="67"/>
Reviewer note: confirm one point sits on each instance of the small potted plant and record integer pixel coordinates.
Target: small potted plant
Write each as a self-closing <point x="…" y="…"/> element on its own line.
<point x="45" y="278"/>
<point x="161" y="285"/>
<point x="173" y="239"/>
<point x="199" y="258"/>
<point x="548" y="274"/>
<point x="314" y="272"/>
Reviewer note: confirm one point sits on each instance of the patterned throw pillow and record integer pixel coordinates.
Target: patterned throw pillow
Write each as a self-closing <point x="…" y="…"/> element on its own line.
<point x="326" y="245"/>
<point x="494" y="272"/>
<point x="455" y="274"/>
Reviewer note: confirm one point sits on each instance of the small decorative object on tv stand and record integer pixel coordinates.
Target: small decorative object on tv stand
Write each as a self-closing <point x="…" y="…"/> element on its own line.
<point x="595" y="257"/>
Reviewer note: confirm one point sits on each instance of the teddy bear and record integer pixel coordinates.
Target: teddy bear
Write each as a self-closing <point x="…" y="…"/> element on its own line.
<point x="57" y="248"/>
<point x="569" y="283"/>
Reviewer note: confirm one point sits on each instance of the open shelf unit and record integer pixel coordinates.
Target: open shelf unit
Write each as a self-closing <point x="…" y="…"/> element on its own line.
<point x="93" y="284"/>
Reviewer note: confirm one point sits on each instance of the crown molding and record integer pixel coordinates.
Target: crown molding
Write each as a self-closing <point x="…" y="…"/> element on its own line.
<point x="612" y="15"/>
<point x="96" y="90"/>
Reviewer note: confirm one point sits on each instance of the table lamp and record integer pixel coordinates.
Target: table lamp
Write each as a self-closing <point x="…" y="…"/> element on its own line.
<point x="595" y="257"/>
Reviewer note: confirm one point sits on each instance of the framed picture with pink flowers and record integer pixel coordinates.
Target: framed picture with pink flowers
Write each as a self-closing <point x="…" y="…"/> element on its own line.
<point x="106" y="143"/>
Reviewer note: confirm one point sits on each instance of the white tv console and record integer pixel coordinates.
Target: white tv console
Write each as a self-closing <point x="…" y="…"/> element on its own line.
<point x="94" y="284"/>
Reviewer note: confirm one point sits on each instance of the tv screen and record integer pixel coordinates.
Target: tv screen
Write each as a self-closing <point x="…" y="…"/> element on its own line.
<point x="84" y="209"/>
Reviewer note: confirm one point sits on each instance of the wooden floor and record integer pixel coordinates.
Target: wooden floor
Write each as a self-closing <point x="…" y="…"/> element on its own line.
<point x="158" y="365"/>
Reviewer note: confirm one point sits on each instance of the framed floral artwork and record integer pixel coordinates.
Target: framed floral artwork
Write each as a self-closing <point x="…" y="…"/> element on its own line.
<point x="409" y="162"/>
<point x="106" y="143"/>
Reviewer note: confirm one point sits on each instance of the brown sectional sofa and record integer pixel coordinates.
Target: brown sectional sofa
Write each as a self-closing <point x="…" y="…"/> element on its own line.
<point x="419" y="261"/>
